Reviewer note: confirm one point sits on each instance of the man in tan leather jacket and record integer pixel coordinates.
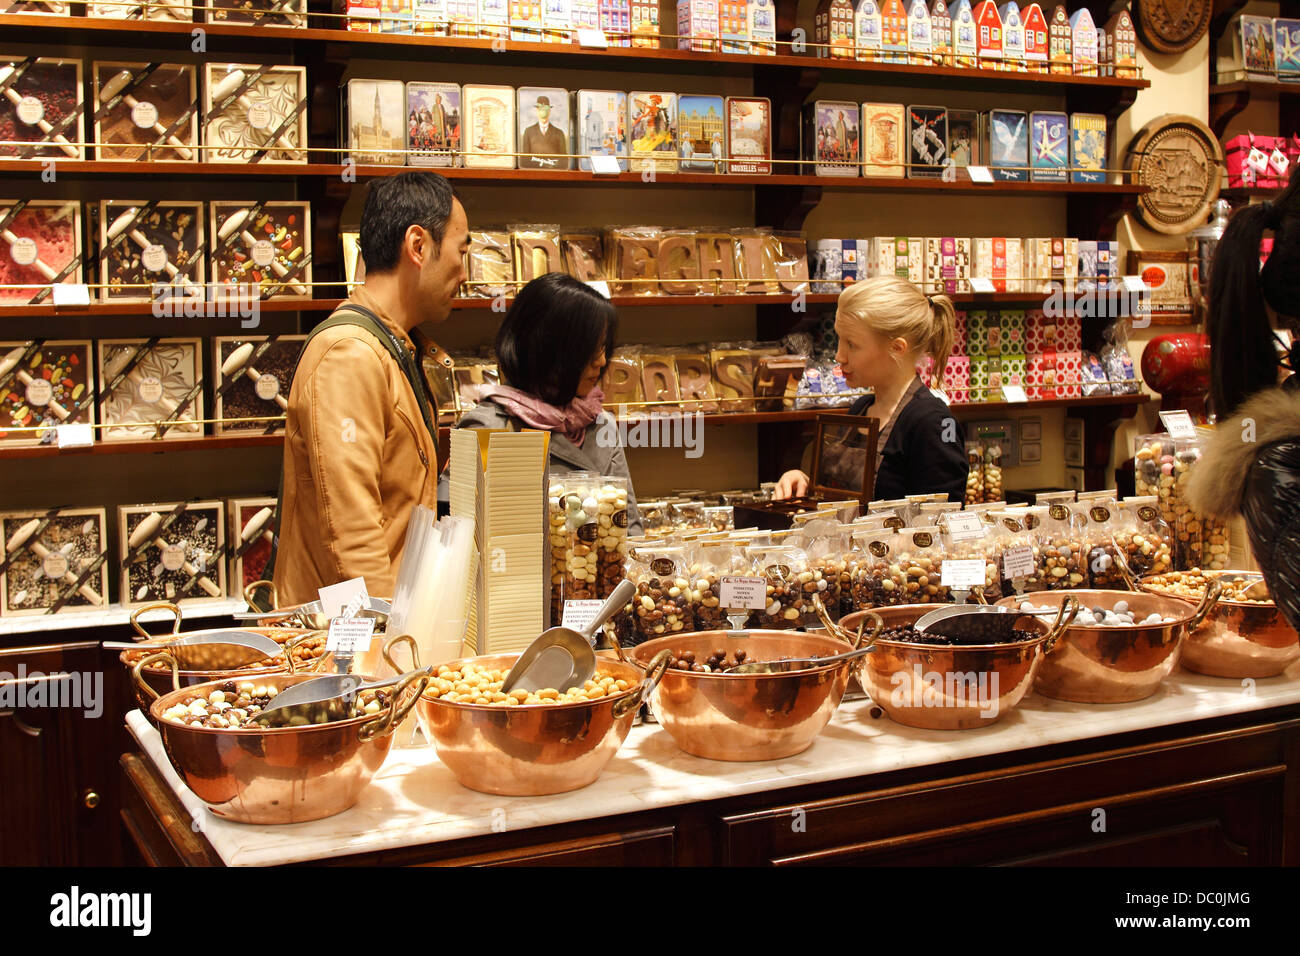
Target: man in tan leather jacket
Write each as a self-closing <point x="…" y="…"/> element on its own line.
<point x="358" y="454"/>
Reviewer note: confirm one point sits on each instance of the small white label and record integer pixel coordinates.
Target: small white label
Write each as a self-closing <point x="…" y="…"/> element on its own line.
<point x="335" y="597"/>
<point x="980" y="174"/>
<point x="604" y="164"/>
<point x="75" y="436"/>
<point x="1257" y="160"/>
<point x="964" y="574"/>
<point x="39" y="392"/>
<point x="259" y="116"/>
<point x="1015" y="394"/>
<point x="55" y="566"/>
<point x="267" y="387"/>
<point x="263" y="252"/>
<point x="144" y="114"/>
<point x="981" y="284"/>
<point x="1179" y="425"/>
<point x="1134" y="284"/>
<point x="30" y="110"/>
<point x="600" y="285"/>
<point x="578" y="615"/>
<point x="23" y="250"/>
<point x="154" y="257"/>
<point x="150" y="390"/>
<point x="592" y="39"/>
<point x="742" y="592"/>
<point x="1018" y="563"/>
<point x="173" y="557"/>
<point x="1279" y="162"/>
<point x="964" y="525"/>
<point x="350" y="636"/>
<point x="71" y="293"/>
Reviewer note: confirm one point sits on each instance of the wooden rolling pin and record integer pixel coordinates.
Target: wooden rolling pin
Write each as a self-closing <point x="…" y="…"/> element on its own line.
<point x="9" y="361"/>
<point x="38" y="264"/>
<point x="116" y="85"/>
<point x="237" y="358"/>
<point x="19" y="538"/>
<point x="228" y="85"/>
<point x="147" y="530"/>
<point x="122" y="221"/>
<point x="257" y="525"/>
<point x="13" y="97"/>
<point x="133" y="376"/>
<point x="236" y="224"/>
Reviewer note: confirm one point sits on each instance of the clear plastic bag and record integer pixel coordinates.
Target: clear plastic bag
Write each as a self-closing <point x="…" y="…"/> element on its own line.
<point x="1060" y="537"/>
<point x="1144" y="537"/>
<point x="662" y="604"/>
<point x="790" y="586"/>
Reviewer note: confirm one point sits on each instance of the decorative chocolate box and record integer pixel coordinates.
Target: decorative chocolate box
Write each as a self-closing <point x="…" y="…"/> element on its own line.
<point x="146" y="243"/>
<point x="898" y="256"/>
<point x="602" y="126"/>
<point x="252" y="379"/>
<point x="1049" y="146"/>
<point x="545" y="127"/>
<point x="41" y="105"/>
<point x="255" y="114"/>
<point x="146" y="111"/>
<point x="832" y="137"/>
<point x="884" y="139"/>
<point x="41" y="246"/>
<point x="374" y="120"/>
<point x="702" y="133"/>
<point x="250" y="533"/>
<point x="749" y="135"/>
<point x="927" y="136"/>
<point x="44" y="383"/>
<point x="490" y="130"/>
<point x="947" y="265"/>
<point x="1000" y="260"/>
<point x="54" y="561"/>
<point x="172" y="552"/>
<point x="433" y="124"/>
<point x="652" y="131"/>
<point x="263" y="243"/>
<point x="147" y="382"/>
<point x="1007" y="145"/>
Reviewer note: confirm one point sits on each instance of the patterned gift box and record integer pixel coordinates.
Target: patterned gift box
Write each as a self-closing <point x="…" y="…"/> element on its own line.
<point x="1040" y="376"/>
<point x="1068" y="364"/>
<point x="1237" y="152"/>
<point x="962" y="337"/>
<point x="1013" y="332"/>
<point x="1014" y="367"/>
<point x="1043" y="334"/>
<point x="985" y="377"/>
<point x="1069" y="334"/>
<point x="947" y="265"/>
<point x="956" y="379"/>
<point x="979" y="322"/>
<point x="898" y="256"/>
<point x="1053" y="262"/>
<point x="1001" y="261"/>
<point x="1107" y="263"/>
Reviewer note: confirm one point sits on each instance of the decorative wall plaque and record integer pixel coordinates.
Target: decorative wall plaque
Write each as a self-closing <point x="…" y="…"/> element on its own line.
<point x="1171" y="26"/>
<point x="1181" y="162"/>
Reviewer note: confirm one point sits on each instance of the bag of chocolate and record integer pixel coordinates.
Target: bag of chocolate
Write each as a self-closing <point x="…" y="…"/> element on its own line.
<point x="975" y="472"/>
<point x="790" y="585"/>
<point x="870" y="584"/>
<point x="662" y="604"/>
<point x="966" y="540"/>
<point x="1023" y="568"/>
<point x="1143" y="536"/>
<point x="1103" y="562"/>
<point x="1060" y="537"/>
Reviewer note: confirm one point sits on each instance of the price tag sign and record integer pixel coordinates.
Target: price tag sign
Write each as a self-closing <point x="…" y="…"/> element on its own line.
<point x="1179" y="424"/>
<point x="74" y="436"/>
<point x="579" y="614"/>
<point x="71" y="293"/>
<point x="1017" y="563"/>
<point x="601" y="286"/>
<point x="604" y="165"/>
<point x="592" y="39"/>
<point x="963" y="575"/>
<point x="965" y="525"/>
<point x="1015" y="394"/>
<point x="980" y="174"/>
<point x="335" y="597"/>
<point x="350" y="636"/>
<point x="981" y="284"/>
<point x="742" y="592"/>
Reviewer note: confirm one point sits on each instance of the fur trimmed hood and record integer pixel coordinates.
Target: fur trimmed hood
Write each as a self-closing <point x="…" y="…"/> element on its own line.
<point x="1219" y="479"/>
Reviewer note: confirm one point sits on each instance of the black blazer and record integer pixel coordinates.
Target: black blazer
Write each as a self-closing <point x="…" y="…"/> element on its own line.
<point x="925" y="453"/>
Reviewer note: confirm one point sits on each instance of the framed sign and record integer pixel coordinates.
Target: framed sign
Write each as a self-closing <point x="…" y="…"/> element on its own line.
<point x="844" y="457"/>
<point x="1168" y="276"/>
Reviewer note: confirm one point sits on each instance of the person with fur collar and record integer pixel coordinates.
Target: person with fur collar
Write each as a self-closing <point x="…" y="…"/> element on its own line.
<point x="1252" y="465"/>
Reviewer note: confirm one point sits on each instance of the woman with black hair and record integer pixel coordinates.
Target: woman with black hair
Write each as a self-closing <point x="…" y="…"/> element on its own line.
<point x="552" y="349"/>
<point x="1252" y="466"/>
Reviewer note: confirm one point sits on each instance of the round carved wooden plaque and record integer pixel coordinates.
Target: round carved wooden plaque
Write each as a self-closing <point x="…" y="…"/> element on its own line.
<point x="1171" y="26"/>
<point x="1181" y="162"/>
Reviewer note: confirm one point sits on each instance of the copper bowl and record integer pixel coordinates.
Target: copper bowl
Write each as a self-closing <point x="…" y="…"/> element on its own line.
<point x="1239" y="638"/>
<point x="530" y="750"/>
<point x="747" y="716"/>
<point x="1113" y="665"/>
<point x="285" y="774"/>
<point x="950" y="688"/>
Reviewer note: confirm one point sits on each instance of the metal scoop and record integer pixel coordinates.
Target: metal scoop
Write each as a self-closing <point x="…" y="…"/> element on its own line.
<point x="323" y="699"/>
<point x="211" y="650"/>
<point x="377" y="608"/>
<point x="562" y="657"/>
<point x="975" y="624"/>
<point x="804" y="663"/>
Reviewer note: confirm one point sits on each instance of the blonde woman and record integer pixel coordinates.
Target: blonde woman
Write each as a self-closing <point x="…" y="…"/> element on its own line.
<point x="885" y="325"/>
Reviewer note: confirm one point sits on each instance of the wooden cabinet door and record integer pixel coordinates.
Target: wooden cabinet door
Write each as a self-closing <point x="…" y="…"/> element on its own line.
<point x="653" y="847"/>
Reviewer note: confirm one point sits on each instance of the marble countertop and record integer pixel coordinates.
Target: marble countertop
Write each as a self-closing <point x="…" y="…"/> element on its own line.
<point x="415" y="800"/>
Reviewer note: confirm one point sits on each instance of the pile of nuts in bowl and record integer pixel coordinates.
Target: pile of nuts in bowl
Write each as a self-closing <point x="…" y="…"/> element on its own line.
<point x="1118" y="616"/>
<point x="473" y="684"/>
<point x="1192" y="584"/>
<point x="237" y="706"/>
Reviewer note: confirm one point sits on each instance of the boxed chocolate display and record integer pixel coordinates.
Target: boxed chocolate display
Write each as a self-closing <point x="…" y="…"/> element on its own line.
<point x="252" y="378"/>
<point x="267" y="243"/>
<point x="146" y="111"/>
<point x="53" y="561"/>
<point x="536" y="251"/>
<point x="255" y="113"/>
<point x="172" y="552"/>
<point x="1007" y="145"/>
<point x="1000" y="260"/>
<point x="749" y="135"/>
<point x="173" y="11"/>
<point x="262" y="13"/>
<point x="584" y="255"/>
<point x="490" y="126"/>
<point x="147" y="381"/>
<point x="526" y="20"/>
<point x="897" y="256"/>
<point x="633" y="260"/>
<point x="251" y="534"/>
<point x="42" y="246"/>
<point x="1049" y="146"/>
<point x="602" y="126"/>
<point x="652" y="131"/>
<point x="1088" y="147"/>
<point x="927" y="134"/>
<point x="832" y="136"/>
<point x="41" y="105"/>
<point x="947" y="265"/>
<point x="964" y="140"/>
<point x="884" y="139"/>
<point x="433" y="126"/>
<point x="491" y="266"/>
<point x="44" y="383"/>
<point x="545" y="128"/>
<point x="702" y="133"/>
<point x="142" y="244"/>
<point x="679" y="263"/>
<point x="373" y="112"/>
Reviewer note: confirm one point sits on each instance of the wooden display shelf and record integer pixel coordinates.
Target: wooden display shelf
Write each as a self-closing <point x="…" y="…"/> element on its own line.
<point x="1229" y="99"/>
<point x="1245" y="193"/>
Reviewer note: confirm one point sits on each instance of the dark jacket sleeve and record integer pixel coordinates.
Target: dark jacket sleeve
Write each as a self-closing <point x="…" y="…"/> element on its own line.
<point x="1271" y="509"/>
<point x="933" y="450"/>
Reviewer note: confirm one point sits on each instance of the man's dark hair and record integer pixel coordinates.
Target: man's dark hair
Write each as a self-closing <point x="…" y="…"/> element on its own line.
<point x="394" y="204"/>
<point x="554" y="327"/>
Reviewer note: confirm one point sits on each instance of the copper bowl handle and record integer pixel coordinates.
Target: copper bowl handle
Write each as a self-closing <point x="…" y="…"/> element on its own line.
<point x="978" y="594"/>
<point x="1208" y="601"/>
<point x="149" y="659"/>
<point x="387" y="722"/>
<point x="388" y="652"/>
<point x="252" y="589"/>
<point x="654" y="673"/>
<point x="158" y="606"/>
<point x="875" y="631"/>
<point x="832" y="628"/>
<point x="1064" y="618"/>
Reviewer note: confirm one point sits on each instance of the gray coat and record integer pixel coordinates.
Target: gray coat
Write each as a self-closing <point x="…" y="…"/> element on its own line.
<point x="565" y="456"/>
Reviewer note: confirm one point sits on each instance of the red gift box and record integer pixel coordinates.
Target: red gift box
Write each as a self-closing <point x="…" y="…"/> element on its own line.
<point x="1240" y="174"/>
<point x="1043" y="334"/>
<point x="959" y="342"/>
<point x="1041" y="376"/>
<point x="1068" y="369"/>
<point x="956" y="379"/>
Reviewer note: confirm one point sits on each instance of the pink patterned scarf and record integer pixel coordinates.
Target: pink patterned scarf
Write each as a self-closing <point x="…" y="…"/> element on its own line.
<point x="571" y="421"/>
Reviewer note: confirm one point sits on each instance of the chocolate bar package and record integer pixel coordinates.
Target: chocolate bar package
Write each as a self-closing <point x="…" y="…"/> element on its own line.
<point x="536" y="250"/>
<point x="53" y="561"/>
<point x="679" y="263"/>
<point x="695" y="380"/>
<point x="266" y="243"/>
<point x="927" y="135"/>
<point x="145" y="388"/>
<point x="633" y="259"/>
<point x="251" y="534"/>
<point x="526" y="20"/>
<point x="1000" y="260"/>
<point x="491" y="265"/>
<point x="433" y="126"/>
<point x="255" y="114"/>
<point x="884" y="139"/>
<point x="44" y="383"/>
<point x="719" y="262"/>
<point x="146" y="111"/>
<point x="362" y="16"/>
<point x="545" y="128"/>
<point x="41" y="246"/>
<point x="262" y="13"/>
<point x="659" y="385"/>
<point x="173" y="552"/>
<point x="584" y="255"/>
<point x="652" y="131"/>
<point x="430" y="17"/>
<point x="964" y="146"/>
<point x="41" y="110"/>
<point x="602" y="126"/>
<point x="756" y="254"/>
<point x="375" y="134"/>
<point x="490" y="126"/>
<point x="701" y="133"/>
<point x="1049" y="146"/>
<point x="900" y="256"/>
<point x="462" y="18"/>
<point x="1088" y="147"/>
<point x="622" y="381"/>
<point x="733" y="377"/>
<point x="143" y="244"/>
<point x="749" y="135"/>
<point x="947" y="265"/>
<point x="396" y="16"/>
<point x="1008" y="145"/>
<point x="251" y="382"/>
<point x="832" y="134"/>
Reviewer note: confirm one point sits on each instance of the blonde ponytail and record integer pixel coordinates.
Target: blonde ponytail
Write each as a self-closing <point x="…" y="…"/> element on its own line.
<point x="943" y="337"/>
<point x="892" y="308"/>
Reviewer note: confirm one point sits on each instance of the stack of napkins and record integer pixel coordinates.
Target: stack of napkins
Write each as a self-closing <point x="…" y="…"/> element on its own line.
<point x="498" y="479"/>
